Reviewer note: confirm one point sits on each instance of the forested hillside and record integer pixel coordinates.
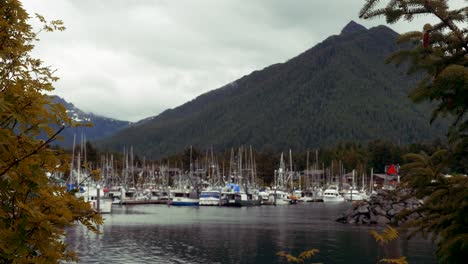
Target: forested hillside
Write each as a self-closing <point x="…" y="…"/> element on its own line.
<point x="340" y="90"/>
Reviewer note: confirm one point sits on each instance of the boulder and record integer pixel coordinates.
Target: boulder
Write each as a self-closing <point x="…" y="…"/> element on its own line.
<point x="351" y="220"/>
<point x="413" y="216"/>
<point x="363" y="219"/>
<point x="379" y="211"/>
<point x="363" y="209"/>
<point x="398" y="207"/>
<point x="412" y="201"/>
<point x="341" y="218"/>
<point x="372" y="218"/>
<point x="382" y="220"/>
<point x="387" y="206"/>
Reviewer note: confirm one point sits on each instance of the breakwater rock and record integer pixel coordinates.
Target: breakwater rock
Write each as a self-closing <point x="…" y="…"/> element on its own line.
<point x="387" y="207"/>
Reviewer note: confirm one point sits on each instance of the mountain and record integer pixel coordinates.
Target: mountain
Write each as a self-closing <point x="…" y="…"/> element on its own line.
<point x="339" y="90"/>
<point x="102" y="126"/>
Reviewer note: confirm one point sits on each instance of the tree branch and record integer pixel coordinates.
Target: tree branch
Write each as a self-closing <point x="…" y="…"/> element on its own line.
<point x="33" y="152"/>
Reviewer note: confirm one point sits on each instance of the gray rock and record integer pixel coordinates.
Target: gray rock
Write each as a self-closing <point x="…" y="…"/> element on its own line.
<point x="387" y="206"/>
<point x="363" y="209"/>
<point x="391" y="212"/>
<point x="382" y="219"/>
<point x="379" y="211"/>
<point x="413" y="201"/>
<point x="372" y="218"/>
<point x="361" y="219"/>
<point x="366" y="221"/>
<point x="398" y="208"/>
<point x="413" y="216"/>
<point x="341" y="218"/>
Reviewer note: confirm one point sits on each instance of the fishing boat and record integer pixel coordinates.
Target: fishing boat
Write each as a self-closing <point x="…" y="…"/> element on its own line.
<point x="183" y="197"/>
<point x="210" y="197"/>
<point x="233" y="195"/>
<point x="278" y="197"/>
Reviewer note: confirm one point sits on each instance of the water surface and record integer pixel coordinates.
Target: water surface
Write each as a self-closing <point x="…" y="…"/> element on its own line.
<point x="162" y="234"/>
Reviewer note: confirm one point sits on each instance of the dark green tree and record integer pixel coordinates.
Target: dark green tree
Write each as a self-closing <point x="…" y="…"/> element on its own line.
<point x="440" y="52"/>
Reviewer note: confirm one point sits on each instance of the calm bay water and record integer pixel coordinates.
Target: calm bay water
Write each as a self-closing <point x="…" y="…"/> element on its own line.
<point x="162" y="234"/>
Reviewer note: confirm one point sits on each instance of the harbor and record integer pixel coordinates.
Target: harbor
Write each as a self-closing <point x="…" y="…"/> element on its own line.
<point x="208" y="182"/>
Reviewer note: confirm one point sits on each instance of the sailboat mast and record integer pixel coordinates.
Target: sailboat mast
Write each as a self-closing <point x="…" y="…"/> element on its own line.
<point x="291" y="170"/>
<point x="72" y="160"/>
<point x="307" y="183"/>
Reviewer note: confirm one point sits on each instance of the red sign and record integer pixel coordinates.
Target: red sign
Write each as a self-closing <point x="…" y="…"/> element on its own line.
<point x="391" y="170"/>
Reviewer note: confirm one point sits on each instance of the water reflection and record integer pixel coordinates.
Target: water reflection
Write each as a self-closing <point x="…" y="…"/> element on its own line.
<point x="161" y="234"/>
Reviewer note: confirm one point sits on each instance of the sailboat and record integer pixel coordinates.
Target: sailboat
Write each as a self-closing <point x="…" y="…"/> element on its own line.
<point x="185" y="194"/>
<point x="240" y="191"/>
<point x="352" y="194"/>
<point x="86" y="189"/>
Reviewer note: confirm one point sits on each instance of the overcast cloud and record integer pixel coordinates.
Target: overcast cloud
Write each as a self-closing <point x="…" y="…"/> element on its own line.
<point x="131" y="59"/>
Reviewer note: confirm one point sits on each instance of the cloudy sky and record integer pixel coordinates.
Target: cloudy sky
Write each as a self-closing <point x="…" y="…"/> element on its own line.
<point x="130" y="59"/>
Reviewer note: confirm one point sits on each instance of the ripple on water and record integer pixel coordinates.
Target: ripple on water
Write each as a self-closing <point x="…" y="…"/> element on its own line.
<point x="162" y="234"/>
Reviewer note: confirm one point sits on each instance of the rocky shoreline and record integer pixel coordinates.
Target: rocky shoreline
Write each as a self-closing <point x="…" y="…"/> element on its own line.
<point x="387" y="207"/>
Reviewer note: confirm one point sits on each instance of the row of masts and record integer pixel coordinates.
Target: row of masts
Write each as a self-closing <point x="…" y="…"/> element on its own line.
<point x="241" y="170"/>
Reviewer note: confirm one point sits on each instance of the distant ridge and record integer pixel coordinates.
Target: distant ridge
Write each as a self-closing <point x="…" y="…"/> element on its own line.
<point x="339" y="90"/>
<point x="102" y="126"/>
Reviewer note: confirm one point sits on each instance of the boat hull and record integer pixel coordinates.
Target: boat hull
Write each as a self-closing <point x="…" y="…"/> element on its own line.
<point x="184" y="201"/>
<point x="333" y="199"/>
<point x="209" y="202"/>
<point x="240" y="203"/>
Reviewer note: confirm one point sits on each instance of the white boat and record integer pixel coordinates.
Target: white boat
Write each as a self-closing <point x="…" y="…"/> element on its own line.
<point x="90" y="194"/>
<point x="210" y="197"/>
<point x="352" y="194"/>
<point x="278" y="197"/>
<point x="264" y="196"/>
<point x="355" y="195"/>
<point x="331" y="194"/>
<point x="306" y="198"/>
<point x="184" y="197"/>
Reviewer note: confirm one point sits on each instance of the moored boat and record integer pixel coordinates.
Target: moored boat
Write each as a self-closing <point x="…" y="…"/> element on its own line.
<point x="355" y="195"/>
<point x="210" y="197"/>
<point x="331" y="194"/>
<point x="183" y="197"/>
<point x="96" y="197"/>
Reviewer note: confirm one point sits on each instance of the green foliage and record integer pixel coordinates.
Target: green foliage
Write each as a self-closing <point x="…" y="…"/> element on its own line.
<point x="445" y="209"/>
<point x="443" y="57"/>
<point x="33" y="211"/>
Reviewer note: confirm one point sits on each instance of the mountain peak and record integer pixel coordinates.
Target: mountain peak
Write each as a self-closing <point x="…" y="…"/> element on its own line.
<point x="352" y="27"/>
